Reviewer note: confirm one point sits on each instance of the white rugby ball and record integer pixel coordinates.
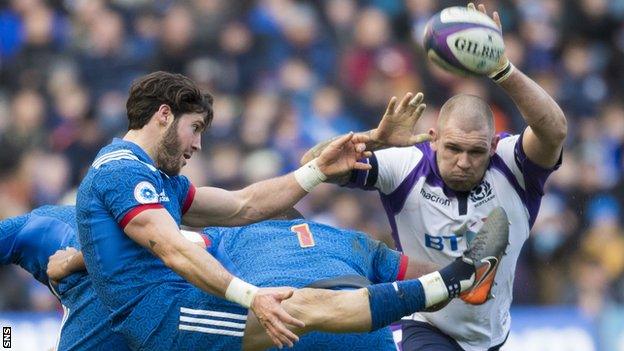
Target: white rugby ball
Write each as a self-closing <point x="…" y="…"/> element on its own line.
<point x="463" y="41"/>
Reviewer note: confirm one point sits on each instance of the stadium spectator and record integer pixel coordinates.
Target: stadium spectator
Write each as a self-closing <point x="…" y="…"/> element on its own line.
<point x="232" y="63"/>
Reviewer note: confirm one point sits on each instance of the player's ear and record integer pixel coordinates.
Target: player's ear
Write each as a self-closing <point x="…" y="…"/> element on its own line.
<point x="495" y="140"/>
<point x="164" y="115"/>
<point x="434" y="138"/>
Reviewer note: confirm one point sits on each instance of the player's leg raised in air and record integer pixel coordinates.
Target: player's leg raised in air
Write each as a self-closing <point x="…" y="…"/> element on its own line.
<point x="379" y="305"/>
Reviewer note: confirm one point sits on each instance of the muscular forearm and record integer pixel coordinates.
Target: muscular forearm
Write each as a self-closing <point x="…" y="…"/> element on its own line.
<point x="417" y="268"/>
<point x="538" y="109"/>
<point x="158" y="232"/>
<point x="265" y="199"/>
<point x="199" y="268"/>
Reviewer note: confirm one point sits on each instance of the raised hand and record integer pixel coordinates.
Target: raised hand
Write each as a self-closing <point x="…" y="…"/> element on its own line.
<point x="266" y="306"/>
<point x="398" y="123"/>
<point x="341" y="155"/>
<point x="496" y="18"/>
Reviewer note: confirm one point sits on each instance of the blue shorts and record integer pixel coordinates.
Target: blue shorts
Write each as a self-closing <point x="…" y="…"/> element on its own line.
<point x="379" y="340"/>
<point x="420" y="336"/>
<point x="195" y="320"/>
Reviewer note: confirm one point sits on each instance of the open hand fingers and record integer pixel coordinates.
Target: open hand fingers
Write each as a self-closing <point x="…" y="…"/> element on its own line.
<point x="279" y="330"/>
<point x="340" y="142"/>
<point x="419" y="111"/>
<point x="481" y="8"/>
<point x="497" y="19"/>
<point x="391" y="106"/>
<point x="360" y="138"/>
<point x="405" y="102"/>
<point x="288" y="319"/>
<point x="417" y="100"/>
<point x="274" y="337"/>
<point x="361" y="166"/>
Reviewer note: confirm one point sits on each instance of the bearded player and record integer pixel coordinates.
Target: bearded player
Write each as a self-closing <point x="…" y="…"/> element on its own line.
<point x="129" y="209"/>
<point x="437" y="193"/>
<point x="302" y="253"/>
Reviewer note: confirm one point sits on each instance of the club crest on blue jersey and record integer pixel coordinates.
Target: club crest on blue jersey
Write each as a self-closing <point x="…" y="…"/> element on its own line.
<point x="145" y="193"/>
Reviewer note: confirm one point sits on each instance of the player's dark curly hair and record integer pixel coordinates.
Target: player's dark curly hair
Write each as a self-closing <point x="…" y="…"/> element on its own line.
<point x="175" y="90"/>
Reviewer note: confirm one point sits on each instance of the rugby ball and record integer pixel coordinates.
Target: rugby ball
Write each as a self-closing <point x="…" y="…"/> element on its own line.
<point x="463" y="41"/>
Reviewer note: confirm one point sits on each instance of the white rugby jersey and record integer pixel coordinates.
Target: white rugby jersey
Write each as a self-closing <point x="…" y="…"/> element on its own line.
<point x="431" y="222"/>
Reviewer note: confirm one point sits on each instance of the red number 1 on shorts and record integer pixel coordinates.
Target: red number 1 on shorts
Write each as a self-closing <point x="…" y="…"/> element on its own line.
<point x="304" y="234"/>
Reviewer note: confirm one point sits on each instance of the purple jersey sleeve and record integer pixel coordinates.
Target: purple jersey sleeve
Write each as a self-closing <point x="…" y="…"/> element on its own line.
<point x="535" y="177"/>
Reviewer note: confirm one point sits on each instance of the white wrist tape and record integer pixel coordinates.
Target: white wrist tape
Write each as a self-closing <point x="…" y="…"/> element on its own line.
<point x="502" y="74"/>
<point x="193" y="237"/>
<point x="309" y="176"/>
<point x="241" y="292"/>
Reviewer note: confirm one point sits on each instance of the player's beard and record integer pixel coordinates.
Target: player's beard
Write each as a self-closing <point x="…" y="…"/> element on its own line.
<point x="169" y="155"/>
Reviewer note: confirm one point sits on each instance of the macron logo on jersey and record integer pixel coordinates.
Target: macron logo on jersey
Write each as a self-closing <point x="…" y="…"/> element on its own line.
<point x="434" y="198"/>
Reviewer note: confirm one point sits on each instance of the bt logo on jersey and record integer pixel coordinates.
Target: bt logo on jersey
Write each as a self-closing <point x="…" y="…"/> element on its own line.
<point x="439" y="242"/>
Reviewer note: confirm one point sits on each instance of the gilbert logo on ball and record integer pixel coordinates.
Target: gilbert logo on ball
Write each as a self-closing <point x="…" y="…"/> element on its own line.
<point x="463" y="41"/>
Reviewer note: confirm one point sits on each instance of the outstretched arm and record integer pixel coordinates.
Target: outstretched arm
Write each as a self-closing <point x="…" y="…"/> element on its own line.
<point x="156" y="230"/>
<point x="543" y="138"/>
<point x="262" y="200"/>
<point x="396" y="129"/>
<point x="69" y="260"/>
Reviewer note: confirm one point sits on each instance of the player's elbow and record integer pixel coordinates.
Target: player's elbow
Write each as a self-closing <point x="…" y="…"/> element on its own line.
<point x="169" y="254"/>
<point x="552" y="128"/>
<point x="559" y="127"/>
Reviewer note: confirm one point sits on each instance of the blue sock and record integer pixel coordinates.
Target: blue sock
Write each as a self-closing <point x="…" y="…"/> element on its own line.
<point x="391" y="301"/>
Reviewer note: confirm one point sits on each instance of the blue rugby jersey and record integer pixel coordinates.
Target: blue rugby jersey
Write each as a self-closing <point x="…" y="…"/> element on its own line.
<point x="121" y="183"/>
<point x="28" y="241"/>
<point x="297" y="253"/>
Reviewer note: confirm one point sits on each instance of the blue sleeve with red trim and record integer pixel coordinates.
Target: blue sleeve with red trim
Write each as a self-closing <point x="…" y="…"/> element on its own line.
<point x="185" y="192"/>
<point x="124" y="185"/>
<point x="388" y="265"/>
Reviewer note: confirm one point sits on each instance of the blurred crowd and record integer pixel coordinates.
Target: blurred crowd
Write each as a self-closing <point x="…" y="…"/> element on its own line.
<point x="288" y="74"/>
